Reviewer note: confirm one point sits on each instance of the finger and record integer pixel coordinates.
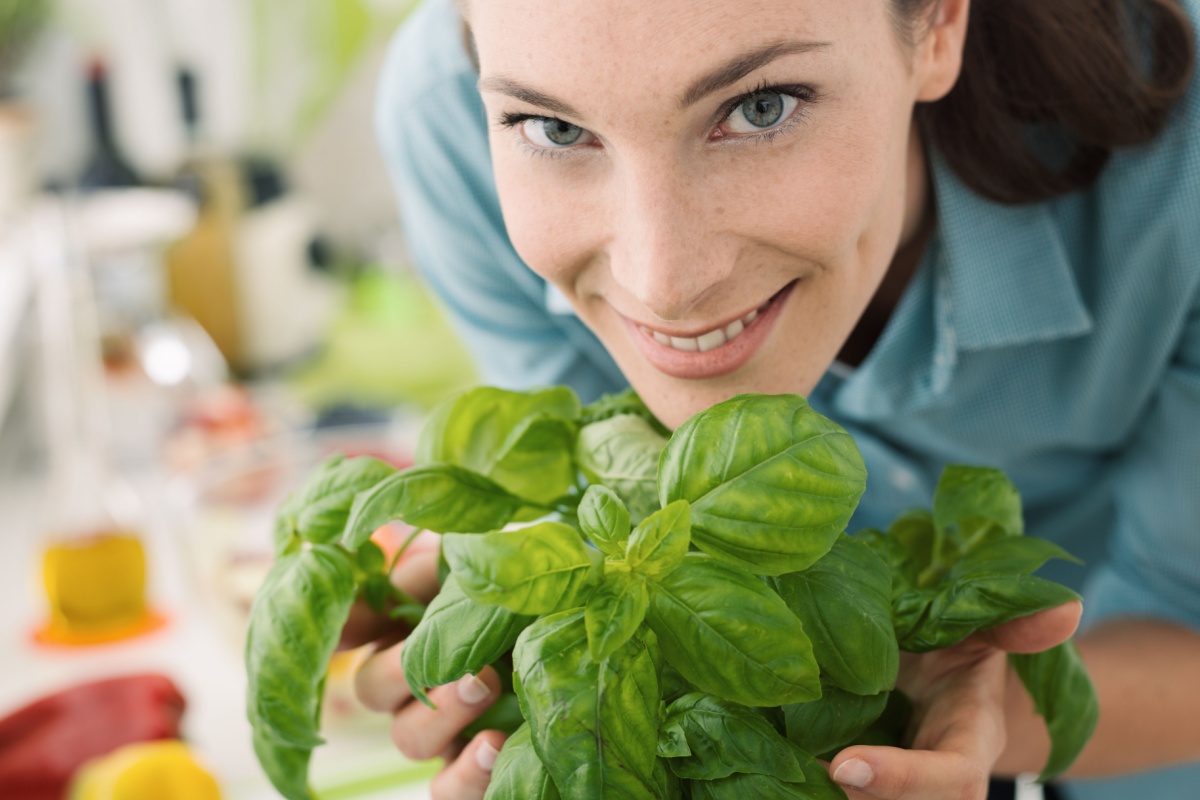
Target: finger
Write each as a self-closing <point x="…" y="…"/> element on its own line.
<point x="417" y="575"/>
<point x="422" y="732"/>
<point x="1036" y="632"/>
<point x="379" y="683"/>
<point x="466" y="777"/>
<point x="889" y="773"/>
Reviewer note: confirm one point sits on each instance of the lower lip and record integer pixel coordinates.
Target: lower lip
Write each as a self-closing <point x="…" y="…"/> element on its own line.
<point x="725" y="359"/>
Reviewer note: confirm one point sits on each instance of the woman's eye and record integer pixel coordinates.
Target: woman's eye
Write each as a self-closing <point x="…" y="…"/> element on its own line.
<point x="761" y="111"/>
<point x="553" y="133"/>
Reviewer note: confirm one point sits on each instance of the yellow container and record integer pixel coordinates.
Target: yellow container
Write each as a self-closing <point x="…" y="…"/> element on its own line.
<point x="96" y="588"/>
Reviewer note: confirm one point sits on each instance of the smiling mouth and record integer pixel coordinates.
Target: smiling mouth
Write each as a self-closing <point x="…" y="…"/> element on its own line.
<point x="717" y="337"/>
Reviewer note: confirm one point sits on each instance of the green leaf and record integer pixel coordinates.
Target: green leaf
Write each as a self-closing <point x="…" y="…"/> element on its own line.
<point x="817" y="786"/>
<point x="724" y="738"/>
<point x="672" y="740"/>
<point x="604" y="520"/>
<point x="622" y="453"/>
<point x="522" y="441"/>
<point x="833" y="721"/>
<point x="622" y="403"/>
<point x="771" y="482"/>
<point x="536" y="570"/>
<point x="286" y="767"/>
<point x="593" y="723"/>
<point x="969" y="504"/>
<point x="1012" y="555"/>
<point x="442" y="498"/>
<point x="659" y="543"/>
<point x="934" y="620"/>
<point x="729" y="635"/>
<point x="295" y="623"/>
<point x="1064" y="696"/>
<point x="456" y="637"/>
<point x="614" y="612"/>
<point x="844" y="601"/>
<point x="518" y="773"/>
<point x="321" y="508"/>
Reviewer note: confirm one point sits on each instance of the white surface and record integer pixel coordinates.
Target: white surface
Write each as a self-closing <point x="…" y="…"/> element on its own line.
<point x="16" y="284"/>
<point x="191" y="650"/>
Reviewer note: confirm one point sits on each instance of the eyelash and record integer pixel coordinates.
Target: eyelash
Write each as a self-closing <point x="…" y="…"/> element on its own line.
<point x="807" y="96"/>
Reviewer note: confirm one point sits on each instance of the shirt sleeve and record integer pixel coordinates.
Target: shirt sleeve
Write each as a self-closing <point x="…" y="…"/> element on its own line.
<point x="1153" y="564"/>
<point x="433" y="132"/>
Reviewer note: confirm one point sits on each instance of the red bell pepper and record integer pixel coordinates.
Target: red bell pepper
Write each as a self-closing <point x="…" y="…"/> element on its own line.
<point x="44" y="743"/>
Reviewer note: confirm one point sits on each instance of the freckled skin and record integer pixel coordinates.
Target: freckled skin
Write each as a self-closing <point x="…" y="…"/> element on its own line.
<point x="663" y="219"/>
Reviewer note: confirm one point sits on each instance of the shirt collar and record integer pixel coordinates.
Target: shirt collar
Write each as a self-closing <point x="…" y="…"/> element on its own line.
<point x="1008" y="278"/>
<point x="993" y="276"/>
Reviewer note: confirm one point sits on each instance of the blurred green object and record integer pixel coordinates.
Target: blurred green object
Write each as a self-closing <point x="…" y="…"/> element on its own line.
<point x="320" y="41"/>
<point x="20" y="23"/>
<point x="389" y="346"/>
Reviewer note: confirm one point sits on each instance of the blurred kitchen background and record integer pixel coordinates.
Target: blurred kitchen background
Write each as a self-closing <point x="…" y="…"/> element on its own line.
<point x="203" y="292"/>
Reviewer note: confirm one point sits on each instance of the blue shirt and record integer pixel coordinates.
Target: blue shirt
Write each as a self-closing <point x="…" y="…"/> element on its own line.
<point x="1058" y="341"/>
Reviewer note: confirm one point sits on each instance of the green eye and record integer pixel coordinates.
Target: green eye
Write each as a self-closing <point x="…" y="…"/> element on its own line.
<point x="562" y="133"/>
<point x="552" y="134"/>
<point x="762" y="111"/>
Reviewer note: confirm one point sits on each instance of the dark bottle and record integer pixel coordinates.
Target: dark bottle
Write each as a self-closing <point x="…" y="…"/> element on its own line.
<point x="106" y="167"/>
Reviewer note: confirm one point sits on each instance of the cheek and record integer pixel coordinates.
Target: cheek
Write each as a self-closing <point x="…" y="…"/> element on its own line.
<point x="548" y="221"/>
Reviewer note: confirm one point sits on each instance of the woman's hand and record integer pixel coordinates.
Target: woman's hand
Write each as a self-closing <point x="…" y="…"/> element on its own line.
<point x="420" y="732"/>
<point x="958" y="729"/>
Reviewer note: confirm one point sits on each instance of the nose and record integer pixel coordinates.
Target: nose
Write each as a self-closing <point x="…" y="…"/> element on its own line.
<point x="666" y="248"/>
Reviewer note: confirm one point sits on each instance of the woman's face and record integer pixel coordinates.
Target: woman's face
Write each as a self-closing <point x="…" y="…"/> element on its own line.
<point x="717" y="188"/>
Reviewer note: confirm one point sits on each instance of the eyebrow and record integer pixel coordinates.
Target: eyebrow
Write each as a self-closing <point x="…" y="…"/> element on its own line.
<point x="728" y="73"/>
<point x="744" y="64"/>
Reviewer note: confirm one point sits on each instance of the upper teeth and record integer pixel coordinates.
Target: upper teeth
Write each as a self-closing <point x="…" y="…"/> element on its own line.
<point x="705" y="341"/>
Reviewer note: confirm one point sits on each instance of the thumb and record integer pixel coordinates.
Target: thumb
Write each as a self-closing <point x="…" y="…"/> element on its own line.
<point x="890" y="773"/>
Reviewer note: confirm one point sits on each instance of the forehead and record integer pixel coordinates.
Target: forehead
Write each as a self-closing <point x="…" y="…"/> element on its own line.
<point x="670" y="40"/>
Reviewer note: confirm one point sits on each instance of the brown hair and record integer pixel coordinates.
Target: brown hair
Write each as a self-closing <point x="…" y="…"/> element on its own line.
<point x="1076" y="78"/>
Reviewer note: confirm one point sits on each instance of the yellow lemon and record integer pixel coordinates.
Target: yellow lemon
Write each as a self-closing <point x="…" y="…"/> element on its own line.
<point x="163" y="770"/>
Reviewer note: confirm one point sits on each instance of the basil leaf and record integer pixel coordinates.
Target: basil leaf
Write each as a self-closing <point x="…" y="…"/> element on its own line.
<point x="604" y="520"/>
<point x="441" y="498"/>
<point x="888" y="730"/>
<point x="771" y="482"/>
<point x="943" y="618"/>
<point x="536" y="570"/>
<point x="972" y="505"/>
<point x="622" y="403"/>
<point x="286" y="767"/>
<point x="724" y="738"/>
<point x="844" y="601"/>
<point x="622" y="453"/>
<point x="1064" y="696"/>
<point x="729" y="635"/>
<point x="592" y="722"/>
<point x="817" y="786"/>
<point x="295" y="622"/>
<point x="672" y="740"/>
<point x="614" y="612"/>
<point x="457" y="636"/>
<point x="522" y="441"/>
<point x="326" y="500"/>
<point x="518" y="773"/>
<point x="1012" y="555"/>
<point x="833" y="721"/>
<point x="659" y="543"/>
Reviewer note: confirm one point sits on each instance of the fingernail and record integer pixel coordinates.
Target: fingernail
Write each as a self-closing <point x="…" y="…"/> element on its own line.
<point x="472" y="690"/>
<point x="855" y="773"/>
<point x="485" y="756"/>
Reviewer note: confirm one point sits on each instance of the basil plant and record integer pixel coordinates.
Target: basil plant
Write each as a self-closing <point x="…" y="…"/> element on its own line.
<point x="678" y="615"/>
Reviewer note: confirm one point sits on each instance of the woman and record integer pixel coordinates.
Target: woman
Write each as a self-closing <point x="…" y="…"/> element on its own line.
<point x="968" y="232"/>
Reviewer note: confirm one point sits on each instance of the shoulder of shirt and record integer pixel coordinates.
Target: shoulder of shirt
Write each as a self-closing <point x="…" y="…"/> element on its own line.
<point x="426" y="53"/>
